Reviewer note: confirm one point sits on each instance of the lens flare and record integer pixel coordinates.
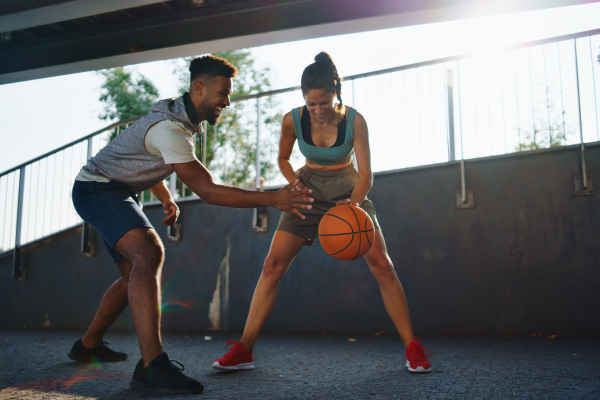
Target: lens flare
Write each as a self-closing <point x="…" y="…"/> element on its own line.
<point x="172" y="274"/>
<point x="176" y="305"/>
<point x="83" y="373"/>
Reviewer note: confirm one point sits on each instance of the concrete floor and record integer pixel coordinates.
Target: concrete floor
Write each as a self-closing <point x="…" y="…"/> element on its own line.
<point x="34" y="365"/>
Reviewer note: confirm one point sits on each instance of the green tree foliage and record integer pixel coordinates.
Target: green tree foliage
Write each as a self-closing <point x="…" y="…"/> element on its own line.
<point x="125" y="96"/>
<point x="231" y="146"/>
<point x="552" y="125"/>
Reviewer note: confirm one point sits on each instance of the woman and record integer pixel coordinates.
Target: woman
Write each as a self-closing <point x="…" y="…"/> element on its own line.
<point x="328" y="135"/>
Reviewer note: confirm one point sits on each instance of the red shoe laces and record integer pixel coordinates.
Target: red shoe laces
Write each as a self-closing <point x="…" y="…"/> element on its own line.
<point x="235" y="349"/>
<point x="417" y="349"/>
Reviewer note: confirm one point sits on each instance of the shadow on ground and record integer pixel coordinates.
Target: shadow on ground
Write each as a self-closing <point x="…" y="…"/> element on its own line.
<point x="34" y="365"/>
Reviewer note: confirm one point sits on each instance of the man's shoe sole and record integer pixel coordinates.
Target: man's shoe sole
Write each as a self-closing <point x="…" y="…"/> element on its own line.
<point x="418" y="369"/>
<point x="88" y="360"/>
<point x="238" y="367"/>
<point x="136" y="385"/>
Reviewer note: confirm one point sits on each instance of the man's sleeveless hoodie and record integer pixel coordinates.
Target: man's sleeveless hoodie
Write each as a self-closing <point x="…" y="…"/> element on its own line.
<point x="126" y="159"/>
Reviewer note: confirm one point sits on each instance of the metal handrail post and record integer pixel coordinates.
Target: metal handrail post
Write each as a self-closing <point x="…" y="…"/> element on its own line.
<point x="257" y="182"/>
<point x="173" y="184"/>
<point x="462" y="181"/>
<point x="87" y="246"/>
<point x="451" y="149"/>
<point x="89" y="149"/>
<point x="17" y="272"/>
<point x="583" y="170"/>
<point x="204" y="133"/>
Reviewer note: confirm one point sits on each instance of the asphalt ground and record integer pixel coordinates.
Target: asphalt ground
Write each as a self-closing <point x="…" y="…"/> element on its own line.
<point x="34" y="365"/>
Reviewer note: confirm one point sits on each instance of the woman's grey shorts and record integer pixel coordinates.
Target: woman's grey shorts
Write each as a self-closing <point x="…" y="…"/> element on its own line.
<point x="328" y="188"/>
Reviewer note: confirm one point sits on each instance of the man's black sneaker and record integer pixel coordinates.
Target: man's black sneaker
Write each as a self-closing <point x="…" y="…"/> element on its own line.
<point x="100" y="353"/>
<point x="161" y="375"/>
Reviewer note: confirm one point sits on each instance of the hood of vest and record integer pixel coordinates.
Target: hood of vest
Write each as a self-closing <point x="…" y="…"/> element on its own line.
<point x="175" y="108"/>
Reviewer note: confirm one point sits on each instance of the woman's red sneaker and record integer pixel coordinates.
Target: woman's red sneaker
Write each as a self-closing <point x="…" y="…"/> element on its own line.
<point x="416" y="360"/>
<point x="237" y="358"/>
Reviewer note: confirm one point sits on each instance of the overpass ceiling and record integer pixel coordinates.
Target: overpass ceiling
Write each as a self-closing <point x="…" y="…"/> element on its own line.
<point x="42" y="38"/>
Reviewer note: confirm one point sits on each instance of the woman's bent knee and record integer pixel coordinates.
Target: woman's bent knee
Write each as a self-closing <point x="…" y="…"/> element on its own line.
<point x="383" y="271"/>
<point x="273" y="269"/>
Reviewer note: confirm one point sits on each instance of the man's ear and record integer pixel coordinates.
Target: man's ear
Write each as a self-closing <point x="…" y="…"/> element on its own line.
<point x="199" y="88"/>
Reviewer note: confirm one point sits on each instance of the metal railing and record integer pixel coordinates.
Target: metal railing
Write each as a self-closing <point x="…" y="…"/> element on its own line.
<point x="524" y="97"/>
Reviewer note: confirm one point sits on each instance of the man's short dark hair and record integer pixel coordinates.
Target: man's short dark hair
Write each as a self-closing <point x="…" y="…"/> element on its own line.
<point x="211" y="66"/>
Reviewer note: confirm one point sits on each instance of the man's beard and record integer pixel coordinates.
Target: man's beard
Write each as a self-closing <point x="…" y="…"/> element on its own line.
<point x="209" y="113"/>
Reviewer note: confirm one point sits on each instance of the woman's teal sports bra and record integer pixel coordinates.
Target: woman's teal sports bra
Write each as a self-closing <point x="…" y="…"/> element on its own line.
<point x="327" y="155"/>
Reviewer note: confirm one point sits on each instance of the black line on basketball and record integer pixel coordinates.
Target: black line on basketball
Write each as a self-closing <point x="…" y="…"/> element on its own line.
<point x="367" y="235"/>
<point x="351" y="240"/>
<point x="348" y="233"/>
<point x="359" y="235"/>
<point x="342" y="219"/>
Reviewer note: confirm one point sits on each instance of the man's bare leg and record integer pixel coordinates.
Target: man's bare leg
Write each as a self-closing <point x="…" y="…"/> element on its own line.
<point x="112" y="305"/>
<point x="145" y="250"/>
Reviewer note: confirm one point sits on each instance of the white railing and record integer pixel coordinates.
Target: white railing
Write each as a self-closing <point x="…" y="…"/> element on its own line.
<point x="524" y="97"/>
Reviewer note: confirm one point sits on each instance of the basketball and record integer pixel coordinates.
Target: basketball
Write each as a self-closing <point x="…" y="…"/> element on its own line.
<point x="346" y="232"/>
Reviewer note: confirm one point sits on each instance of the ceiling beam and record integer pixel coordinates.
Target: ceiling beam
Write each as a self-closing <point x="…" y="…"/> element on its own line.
<point x="235" y="26"/>
<point x="66" y="11"/>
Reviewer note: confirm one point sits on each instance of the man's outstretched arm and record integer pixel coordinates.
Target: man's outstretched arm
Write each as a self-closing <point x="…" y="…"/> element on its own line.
<point x="200" y="181"/>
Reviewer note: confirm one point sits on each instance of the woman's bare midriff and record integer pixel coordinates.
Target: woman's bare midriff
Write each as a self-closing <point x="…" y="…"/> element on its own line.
<point x="319" y="167"/>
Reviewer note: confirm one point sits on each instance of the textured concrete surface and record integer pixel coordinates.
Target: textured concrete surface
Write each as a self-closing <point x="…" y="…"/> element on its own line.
<point x="34" y="365"/>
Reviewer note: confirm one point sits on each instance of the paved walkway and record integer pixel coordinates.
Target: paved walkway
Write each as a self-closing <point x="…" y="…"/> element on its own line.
<point x="34" y="365"/>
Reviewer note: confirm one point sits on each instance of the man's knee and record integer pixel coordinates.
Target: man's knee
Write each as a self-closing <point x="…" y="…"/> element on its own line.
<point x="142" y="247"/>
<point x="156" y="249"/>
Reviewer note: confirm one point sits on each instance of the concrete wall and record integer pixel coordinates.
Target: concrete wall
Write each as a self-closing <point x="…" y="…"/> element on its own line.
<point x="525" y="259"/>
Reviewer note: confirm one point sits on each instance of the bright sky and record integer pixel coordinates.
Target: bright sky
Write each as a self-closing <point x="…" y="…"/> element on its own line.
<point x="39" y="116"/>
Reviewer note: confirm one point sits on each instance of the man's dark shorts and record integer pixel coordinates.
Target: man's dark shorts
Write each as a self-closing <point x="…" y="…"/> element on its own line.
<point x="112" y="208"/>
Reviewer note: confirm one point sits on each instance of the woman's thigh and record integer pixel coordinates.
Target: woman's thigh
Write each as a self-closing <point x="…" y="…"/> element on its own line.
<point x="378" y="255"/>
<point x="284" y="248"/>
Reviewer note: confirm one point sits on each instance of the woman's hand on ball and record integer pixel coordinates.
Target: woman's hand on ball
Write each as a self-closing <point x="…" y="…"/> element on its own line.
<point x="347" y="201"/>
<point x="298" y="186"/>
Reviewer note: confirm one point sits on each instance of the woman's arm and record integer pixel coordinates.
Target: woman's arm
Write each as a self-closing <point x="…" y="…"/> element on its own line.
<point x="286" y="145"/>
<point x="363" y="158"/>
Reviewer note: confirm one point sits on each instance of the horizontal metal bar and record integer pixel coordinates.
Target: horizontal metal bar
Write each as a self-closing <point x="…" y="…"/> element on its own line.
<point x="109" y="127"/>
<point x="430" y="62"/>
<point x="264" y="94"/>
<point x="348" y="78"/>
<point x="478" y="159"/>
<point x="9" y="252"/>
<point x="50" y="236"/>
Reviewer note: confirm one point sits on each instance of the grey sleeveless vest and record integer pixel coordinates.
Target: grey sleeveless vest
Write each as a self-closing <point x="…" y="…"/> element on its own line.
<point x="126" y="159"/>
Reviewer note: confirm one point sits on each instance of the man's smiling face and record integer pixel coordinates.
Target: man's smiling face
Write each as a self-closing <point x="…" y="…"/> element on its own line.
<point x="216" y="98"/>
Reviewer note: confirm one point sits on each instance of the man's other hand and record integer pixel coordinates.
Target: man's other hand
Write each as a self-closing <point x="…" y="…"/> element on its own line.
<point x="291" y="197"/>
<point x="172" y="212"/>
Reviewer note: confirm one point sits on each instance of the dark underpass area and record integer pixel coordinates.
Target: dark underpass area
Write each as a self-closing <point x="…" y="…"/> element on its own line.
<point x="504" y="295"/>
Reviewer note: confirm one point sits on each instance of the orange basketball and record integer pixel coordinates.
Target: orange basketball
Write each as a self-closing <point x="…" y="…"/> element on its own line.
<point x="346" y="232"/>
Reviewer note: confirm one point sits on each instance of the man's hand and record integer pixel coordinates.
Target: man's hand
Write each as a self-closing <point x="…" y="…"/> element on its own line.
<point x="172" y="212"/>
<point x="291" y="197"/>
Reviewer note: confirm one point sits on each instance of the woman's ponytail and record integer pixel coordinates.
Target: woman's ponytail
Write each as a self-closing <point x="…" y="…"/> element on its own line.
<point x="322" y="74"/>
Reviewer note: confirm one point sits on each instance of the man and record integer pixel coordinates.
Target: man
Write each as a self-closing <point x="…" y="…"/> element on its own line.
<point x="104" y="195"/>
